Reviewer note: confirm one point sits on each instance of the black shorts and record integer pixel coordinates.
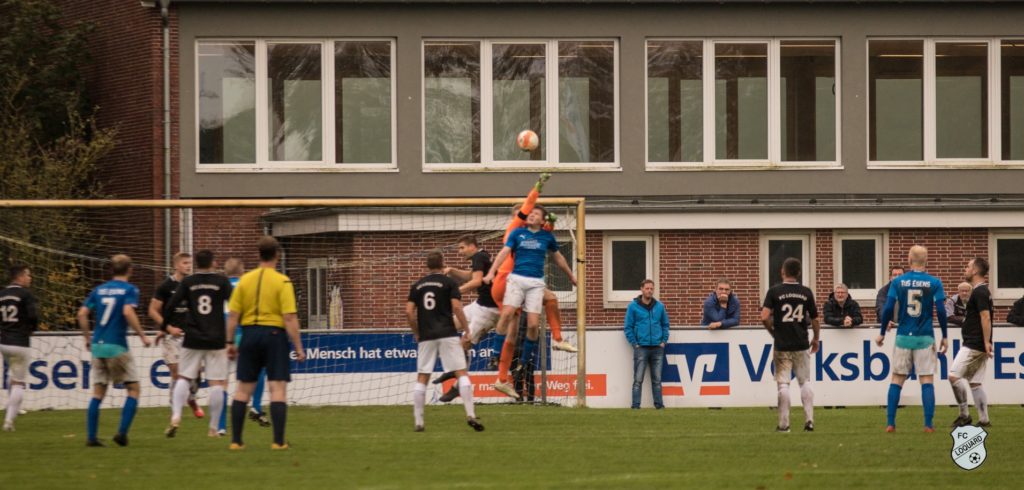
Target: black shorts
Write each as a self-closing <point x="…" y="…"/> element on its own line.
<point x="264" y="347"/>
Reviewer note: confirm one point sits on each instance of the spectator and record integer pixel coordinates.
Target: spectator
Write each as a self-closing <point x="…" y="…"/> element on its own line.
<point x="883" y="295"/>
<point x="722" y="308"/>
<point x="647" y="331"/>
<point x="841" y="310"/>
<point x="956" y="306"/>
<point x="1016" y="315"/>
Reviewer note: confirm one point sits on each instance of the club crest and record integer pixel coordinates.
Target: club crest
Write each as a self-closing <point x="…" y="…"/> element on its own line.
<point x="968" y="446"/>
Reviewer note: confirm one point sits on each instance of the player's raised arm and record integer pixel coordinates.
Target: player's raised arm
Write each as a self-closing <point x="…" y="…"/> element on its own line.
<point x="564" y="265"/>
<point x="500" y="259"/>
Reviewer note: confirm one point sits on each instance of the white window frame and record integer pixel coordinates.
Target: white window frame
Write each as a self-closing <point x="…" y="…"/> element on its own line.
<point x="994" y="89"/>
<point x="487" y="162"/>
<point x="807" y="261"/>
<point x="997" y="292"/>
<point x="881" y="239"/>
<point x="263" y="164"/>
<point x="774" y="160"/>
<point x="322" y="320"/>
<point x="618" y="297"/>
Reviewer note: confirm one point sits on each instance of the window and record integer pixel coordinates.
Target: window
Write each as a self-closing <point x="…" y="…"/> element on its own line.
<point x="742" y="103"/>
<point x="558" y="281"/>
<point x="776" y="248"/>
<point x="945" y="102"/>
<point x="317" y="295"/>
<point x="478" y="96"/>
<point x="628" y="260"/>
<point x="860" y="263"/>
<point x="1007" y="269"/>
<point x="294" y="105"/>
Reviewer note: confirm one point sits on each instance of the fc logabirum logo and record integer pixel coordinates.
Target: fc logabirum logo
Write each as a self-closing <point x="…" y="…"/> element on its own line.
<point x="969" y="446"/>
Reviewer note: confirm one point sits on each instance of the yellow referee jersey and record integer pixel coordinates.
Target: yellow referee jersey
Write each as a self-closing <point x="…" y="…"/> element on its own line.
<point x="262" y="297"/>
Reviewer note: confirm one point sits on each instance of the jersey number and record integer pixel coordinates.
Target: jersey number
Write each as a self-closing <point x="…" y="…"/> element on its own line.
<point x="791" y="314"/>
<point x="9" y="314"/>
<point x="428" y="300"/>
<point x="205" y="305"/>
<point x="914" y="302"/>
<point x="108" y="309"/>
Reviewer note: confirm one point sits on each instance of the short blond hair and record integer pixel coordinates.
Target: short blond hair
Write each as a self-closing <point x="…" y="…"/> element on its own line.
<point x="234" y="266"/>
<point x="178" y="257"/>
<point x="120" y="264"/>
<point x="918" y="255"/>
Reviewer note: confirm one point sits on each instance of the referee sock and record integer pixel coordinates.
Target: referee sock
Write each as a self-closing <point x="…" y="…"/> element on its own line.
<point x="237" y="420"/>
<point x="980" y="402"/>
<point x="526" y="357"/>
<point x="419" y="401"/>
<point x="893" y="403"/>
<point x="131" y="404"/>
<point x="960" y="388"/>
<point x="928" y="400"/>
<point x="92" y="419"/>
<point x="14" y="402"/>
<point x="278" y="417"/>
<point x="216" y="406"/>
<point x="466" y="392"/>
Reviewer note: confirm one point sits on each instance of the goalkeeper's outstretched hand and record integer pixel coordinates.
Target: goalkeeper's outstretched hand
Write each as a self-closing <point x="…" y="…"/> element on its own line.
<point x="540" y="182"/>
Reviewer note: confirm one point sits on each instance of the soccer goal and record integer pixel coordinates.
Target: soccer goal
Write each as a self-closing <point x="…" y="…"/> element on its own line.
<point x="351" y="261"/>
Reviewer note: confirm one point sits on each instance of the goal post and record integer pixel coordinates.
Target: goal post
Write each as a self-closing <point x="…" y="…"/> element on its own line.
<point x="338" y="249"/>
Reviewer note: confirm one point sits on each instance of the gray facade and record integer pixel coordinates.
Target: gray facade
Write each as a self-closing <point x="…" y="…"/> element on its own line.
<point x="631" y="26"/>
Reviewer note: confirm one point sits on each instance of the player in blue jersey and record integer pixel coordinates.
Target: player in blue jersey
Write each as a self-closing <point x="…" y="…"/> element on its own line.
<point x="918" y="294"/>
<point x="530" y="246"/>
<point x="113" y="303"/>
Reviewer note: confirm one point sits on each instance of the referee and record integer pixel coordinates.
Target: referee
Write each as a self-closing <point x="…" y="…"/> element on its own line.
<point x="263" y="303"/>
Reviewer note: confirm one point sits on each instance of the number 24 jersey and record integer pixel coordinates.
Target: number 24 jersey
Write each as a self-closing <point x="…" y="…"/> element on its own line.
<point x="793" y="309"/>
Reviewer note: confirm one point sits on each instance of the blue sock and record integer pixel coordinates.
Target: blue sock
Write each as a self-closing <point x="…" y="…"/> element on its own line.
<point x="92" y="420"/>
<point x="894" y="402"/>
<point x="128" y="414"/>
<point x="257" y="396"/>
<point x="526" y="358"/>
<point x="223" y="424"/>
<point x="928" y="400"/>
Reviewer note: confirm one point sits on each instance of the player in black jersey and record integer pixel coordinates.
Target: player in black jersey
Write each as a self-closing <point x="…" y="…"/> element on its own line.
<point x="204" y="295"/>
<point x="968" y="370"/>
<point x="19" y="317"/>
<point x="172" y="338"/>
<point x="434" y="304"/>
<point x="788" y="308"/>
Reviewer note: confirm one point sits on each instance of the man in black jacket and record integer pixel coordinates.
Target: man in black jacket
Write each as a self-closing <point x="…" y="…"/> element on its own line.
<point x="1016" y="315"/>
<point x="841" y="310"/>
<point x="883" y="295"/>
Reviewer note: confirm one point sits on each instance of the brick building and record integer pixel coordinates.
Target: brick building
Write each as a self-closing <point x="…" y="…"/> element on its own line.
<point x="711" y="139"/>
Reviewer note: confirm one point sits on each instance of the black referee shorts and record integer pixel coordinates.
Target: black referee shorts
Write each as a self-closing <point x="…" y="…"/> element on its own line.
<point x="264" y="347"/>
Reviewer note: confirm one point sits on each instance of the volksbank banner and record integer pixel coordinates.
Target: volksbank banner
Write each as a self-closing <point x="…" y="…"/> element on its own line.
<point x="702" y="368"/>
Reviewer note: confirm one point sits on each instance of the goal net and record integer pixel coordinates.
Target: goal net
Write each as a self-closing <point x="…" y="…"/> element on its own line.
<point x="352" y="263"/>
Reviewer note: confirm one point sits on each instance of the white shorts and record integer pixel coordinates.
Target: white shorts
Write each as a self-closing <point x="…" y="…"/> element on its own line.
<point x="481" y="320"/>
<point x="18" y="359"/>
<point x="213" y="362"/>
<point x="453" y="358"/>
<point x="969" y="364"/>
<point x="921" y="360"/>
<point x="120" y="369"/>
<point x="525" y="292"/>
<point x="788" y="363"/>
<point x="172" y="349"/>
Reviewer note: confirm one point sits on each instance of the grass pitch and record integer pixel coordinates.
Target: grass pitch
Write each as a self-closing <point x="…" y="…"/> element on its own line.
<point x="523" y="447"/>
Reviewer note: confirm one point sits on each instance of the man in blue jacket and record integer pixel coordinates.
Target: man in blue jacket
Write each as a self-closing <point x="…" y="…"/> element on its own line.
<point x="722" y="308"/>
<point x="647" y="331"/>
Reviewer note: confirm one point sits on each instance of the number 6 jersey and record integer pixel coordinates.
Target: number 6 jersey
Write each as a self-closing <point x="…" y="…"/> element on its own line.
<point x="793" y="309"/>
<point x="433" y="297"/>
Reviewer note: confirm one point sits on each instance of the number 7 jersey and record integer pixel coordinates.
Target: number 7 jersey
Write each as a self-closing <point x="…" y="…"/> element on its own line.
<point x="793" y="309"/>
<point x="917" y="293"/>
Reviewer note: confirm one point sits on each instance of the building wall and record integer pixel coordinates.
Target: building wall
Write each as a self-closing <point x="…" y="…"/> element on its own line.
<point x="631" y="25"/>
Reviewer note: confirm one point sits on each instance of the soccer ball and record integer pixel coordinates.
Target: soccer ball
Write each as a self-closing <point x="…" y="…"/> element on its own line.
<point x="527" y="140"/>
<point x="975" y="457"/>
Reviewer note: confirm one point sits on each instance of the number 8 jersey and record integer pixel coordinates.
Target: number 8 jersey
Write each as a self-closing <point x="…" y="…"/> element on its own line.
<point x="433" y="297"/>
<point x="793" y="309"/>
<point x="917" y="293"/>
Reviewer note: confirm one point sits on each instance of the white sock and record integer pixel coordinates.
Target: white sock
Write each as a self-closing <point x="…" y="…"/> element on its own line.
<point x="419" y="400"/>
<point x="960" y="388"/>
<point x="466" y="392"/>
<point x="14" y="402"/>
<point x="783" y="405"/>
<point x="178" y="398"/>
<point x="807" y="398"/>
<point x="980" y="402"/>
<point x="216" y="405"/>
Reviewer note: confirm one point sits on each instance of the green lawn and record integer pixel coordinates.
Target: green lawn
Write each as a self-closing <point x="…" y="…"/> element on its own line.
<point x="526" y="447"/>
